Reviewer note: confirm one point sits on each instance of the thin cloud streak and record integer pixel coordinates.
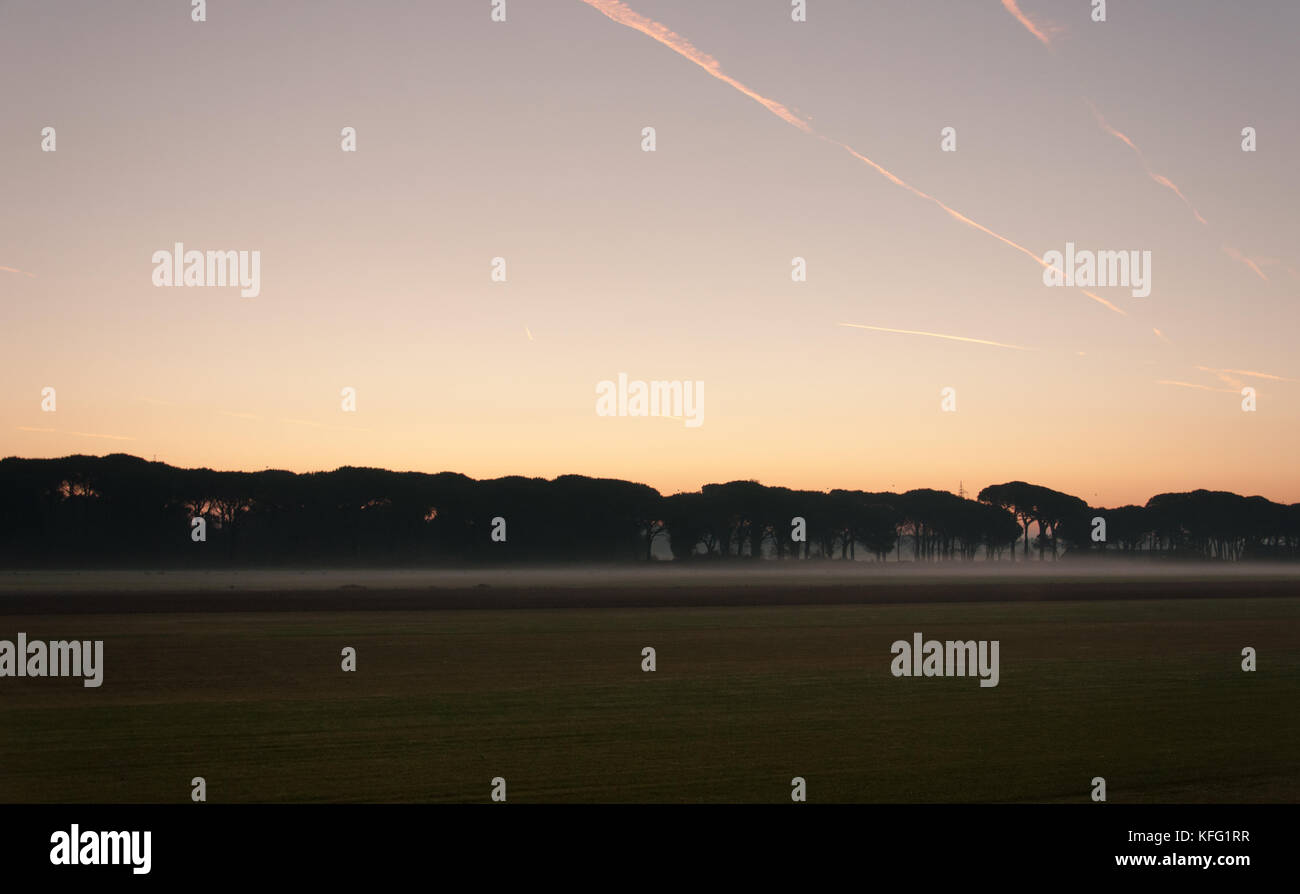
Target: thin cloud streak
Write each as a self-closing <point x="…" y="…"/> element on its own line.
<point x="16" y="270"/>
<point x="1238" y="256"/>
<point x="1246" y="372"/>
<point x="1270" y="262"/>
<point x="977" y="341"/>
<point x="1011" y="7"/>
<point x="1158" y="178"/>
<point x="1169" y="184"/>
<point x="1193" y="385"/>
<point x="622" y="14"/>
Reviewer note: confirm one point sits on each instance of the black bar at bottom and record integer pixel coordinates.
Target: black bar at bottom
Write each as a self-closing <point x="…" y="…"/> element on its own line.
<point x="614" y="845"/>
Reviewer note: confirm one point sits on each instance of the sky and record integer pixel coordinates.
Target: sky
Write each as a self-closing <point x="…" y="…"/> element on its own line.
<point x="775" y="139"/>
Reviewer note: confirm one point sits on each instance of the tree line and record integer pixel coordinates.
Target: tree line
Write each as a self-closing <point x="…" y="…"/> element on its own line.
<point x="123" y="510"/>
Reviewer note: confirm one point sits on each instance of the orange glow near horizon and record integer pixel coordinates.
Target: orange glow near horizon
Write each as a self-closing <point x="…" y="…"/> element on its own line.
<point x="667" y="265"/>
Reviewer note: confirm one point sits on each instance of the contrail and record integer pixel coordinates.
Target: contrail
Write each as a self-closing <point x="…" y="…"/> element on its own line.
<point x="1270" y="262"/>
<point x="624" y="15"/>
<point x="977" y="341"/>
<point x="1165" y="181"/>
<point x="1160" y="335"/>
<point x="620" y="12"/>
<point x="1228" y="380"/>
<point x="959" y="216"/>
<point x="1192" y="385"/>
<point x="1247" y="372"/>
<point x="1162" y="180"/>
<point x="1011" y="7"/>
<point x="924" y="195"/>
<point x="16" y="270"/>
<point x="1238" y="256"/>
<point x="1169" y="184"/>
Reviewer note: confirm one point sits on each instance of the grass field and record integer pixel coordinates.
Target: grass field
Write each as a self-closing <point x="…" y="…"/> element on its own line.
<point x="1146" y="693"/>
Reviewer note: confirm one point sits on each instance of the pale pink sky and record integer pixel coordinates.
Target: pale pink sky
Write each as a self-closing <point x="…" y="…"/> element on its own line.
<point x="523" y="140"/>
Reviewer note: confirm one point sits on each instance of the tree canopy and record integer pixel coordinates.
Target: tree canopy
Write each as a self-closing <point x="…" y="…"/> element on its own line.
<point x="122" y="510"/>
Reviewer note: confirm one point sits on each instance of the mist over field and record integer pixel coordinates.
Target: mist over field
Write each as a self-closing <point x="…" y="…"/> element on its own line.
<point x="813" y="575"/>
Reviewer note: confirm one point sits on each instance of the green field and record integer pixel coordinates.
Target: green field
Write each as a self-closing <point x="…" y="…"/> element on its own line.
<point x="1149" y="694"/>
